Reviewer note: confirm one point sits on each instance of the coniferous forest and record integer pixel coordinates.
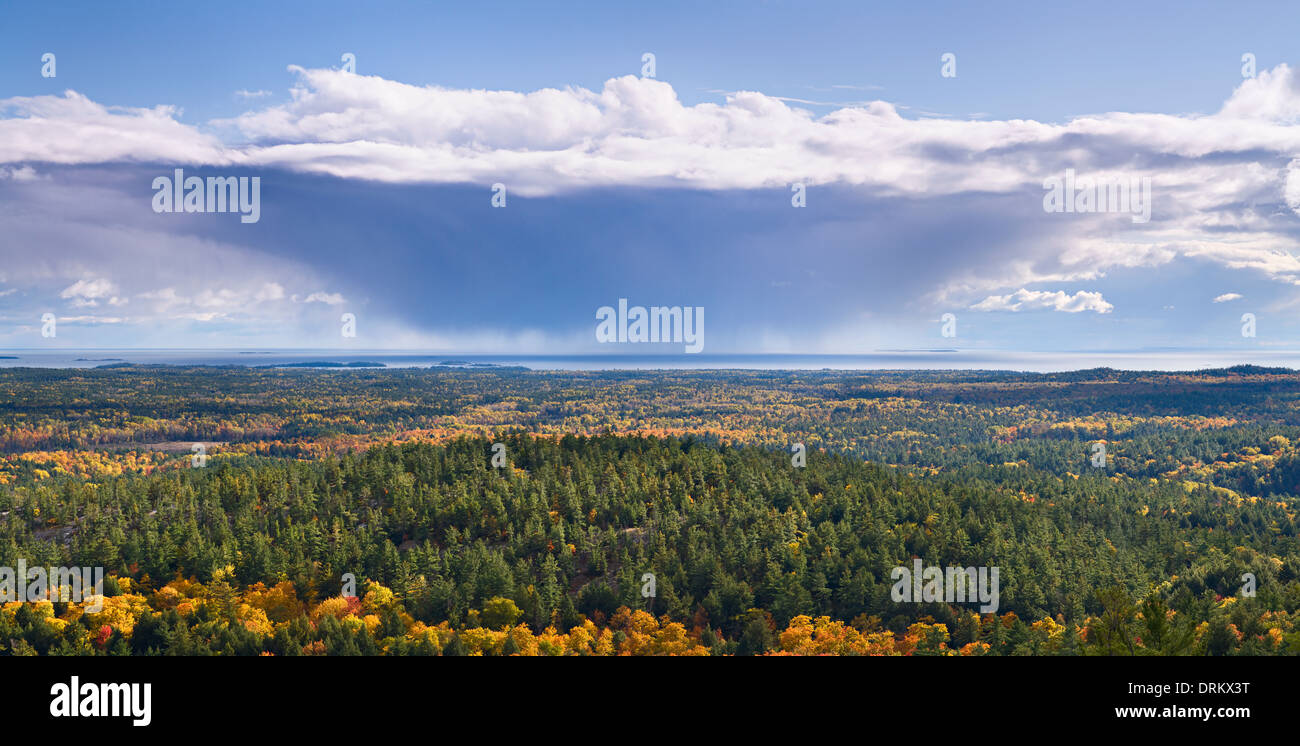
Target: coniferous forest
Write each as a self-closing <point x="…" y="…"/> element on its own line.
<point x="499" y="512"/>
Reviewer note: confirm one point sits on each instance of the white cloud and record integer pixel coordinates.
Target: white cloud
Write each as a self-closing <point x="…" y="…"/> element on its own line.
<point x="1227" y="297"/>
<point x="21" y="173"/>
<point x="73" y="129"/>
<point x="91" y="320"/>
<point x="1031" y="300"/>
<point x="269" y="291"/>
<point x="88" y="293"/>
<point x="635" y="131"/>
<point x="333" y="299"/>
<point x="164" y="299"/>
<point x="1217" y="178"/>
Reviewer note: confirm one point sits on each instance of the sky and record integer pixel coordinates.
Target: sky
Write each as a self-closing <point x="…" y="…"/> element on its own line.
<point x="819" y="177"/>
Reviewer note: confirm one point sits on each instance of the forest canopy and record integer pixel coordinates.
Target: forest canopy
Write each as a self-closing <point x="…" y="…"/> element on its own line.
<point x="361" y="512"/>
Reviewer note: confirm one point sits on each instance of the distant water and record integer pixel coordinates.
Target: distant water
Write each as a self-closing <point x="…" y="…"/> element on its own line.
<point x="919" y="360"/>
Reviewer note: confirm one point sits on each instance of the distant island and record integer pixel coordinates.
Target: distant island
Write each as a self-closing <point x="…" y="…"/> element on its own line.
<point x="467" y="364"/>
<point x="98" y="359"/>
<point x="324" y="364"/>
<point x="8" y="357"/>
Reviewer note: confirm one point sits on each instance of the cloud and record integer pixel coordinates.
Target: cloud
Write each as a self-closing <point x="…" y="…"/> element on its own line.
<point x="252" y="94"/>
<point x="224" y="299"/>
<point x="88" y="293"/>
<point x="108" y="250"/>
<point x="72" y="129"/>
<point x="21" y="173"/>
<point x="90" y="320"/>
<point x="87" y="289"/>
<point x="1031" y="300"/>
<point x="1227" y="297"/>
<point x="961" y="198"/>
<point x="635" y="131"/>
<point x="1214" y="176"/>
<point x="332" y="299"/>
<point x="164" y="299"/>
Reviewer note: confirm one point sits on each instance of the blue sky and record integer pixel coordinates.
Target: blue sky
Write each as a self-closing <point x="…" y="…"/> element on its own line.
<point x="1047" y="61"/>
<point x="924" y="192"/>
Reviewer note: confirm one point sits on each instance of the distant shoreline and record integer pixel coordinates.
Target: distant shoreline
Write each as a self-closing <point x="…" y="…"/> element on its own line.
<point x="987" y="361"/>
<point x="325" y="364"/>
<point x="1082" y="374"/>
